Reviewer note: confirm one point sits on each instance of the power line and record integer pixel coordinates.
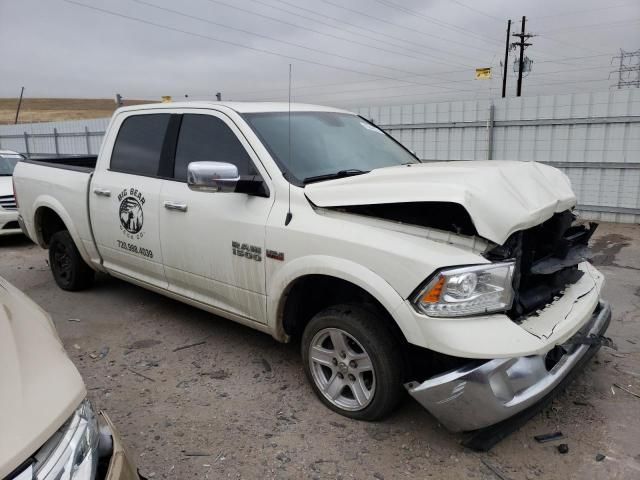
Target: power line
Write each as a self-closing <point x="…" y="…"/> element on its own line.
<point x="594" y="25"/>
<point x="564" y="42"/>
<point x="437" y="21"/>
<point x="382" y="20"/>
<point x="466" y="45"/>
<point x="484" y="14"/>
<point x="207" y="37"/>
<point x="396" y="87"/>
<point x="476" y="90"/>
<point x="357" y="82"/>
<point x="627" y="67"/>
<point x="586" y="10"/>
<point x="444" y="61"/>
<point x="324" y="52"/>
<point x="522" y="44"/>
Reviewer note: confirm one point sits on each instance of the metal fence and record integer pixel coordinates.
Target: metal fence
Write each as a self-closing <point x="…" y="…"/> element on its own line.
<point x="593" y="137"/>
<point x="76" y="137"/>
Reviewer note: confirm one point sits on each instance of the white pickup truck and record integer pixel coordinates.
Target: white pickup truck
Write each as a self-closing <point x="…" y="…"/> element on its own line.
<point x="464" y="283"/>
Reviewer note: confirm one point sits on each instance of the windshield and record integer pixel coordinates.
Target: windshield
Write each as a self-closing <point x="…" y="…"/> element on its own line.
<point x="325" y="145"/>
<point x="8" y="163"/>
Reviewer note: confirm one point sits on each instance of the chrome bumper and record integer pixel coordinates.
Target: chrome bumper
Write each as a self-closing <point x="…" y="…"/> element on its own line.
<point x="476" y="396"/>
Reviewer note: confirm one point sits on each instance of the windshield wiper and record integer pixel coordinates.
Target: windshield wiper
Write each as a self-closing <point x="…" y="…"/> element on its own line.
<point x="339" y="174"/>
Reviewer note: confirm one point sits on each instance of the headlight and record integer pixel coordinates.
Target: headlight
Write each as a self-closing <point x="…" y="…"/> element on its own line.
<point x="463" y="291"/>
<point x="71" y="453"/>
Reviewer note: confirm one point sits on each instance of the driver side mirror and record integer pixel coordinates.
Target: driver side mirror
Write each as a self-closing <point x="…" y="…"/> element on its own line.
<point x="212" y="176"/>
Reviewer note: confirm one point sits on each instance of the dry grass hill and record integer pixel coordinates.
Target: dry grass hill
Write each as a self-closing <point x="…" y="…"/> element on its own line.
<point x="53" y="109"/>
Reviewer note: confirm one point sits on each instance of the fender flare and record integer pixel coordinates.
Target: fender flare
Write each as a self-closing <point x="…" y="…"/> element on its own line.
<point x="343" y="269"/>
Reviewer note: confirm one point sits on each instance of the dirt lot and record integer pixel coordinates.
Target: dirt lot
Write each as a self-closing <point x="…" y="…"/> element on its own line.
<point x="52" y="109"/>
<point x="237" y="405"/>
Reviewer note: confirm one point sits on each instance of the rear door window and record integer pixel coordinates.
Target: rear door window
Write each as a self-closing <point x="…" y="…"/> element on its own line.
<point x="138" y="148"/>
<point x="205" y="138"/>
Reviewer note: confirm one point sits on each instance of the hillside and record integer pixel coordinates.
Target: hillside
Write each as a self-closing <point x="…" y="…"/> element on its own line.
<point x="52" y="109"/>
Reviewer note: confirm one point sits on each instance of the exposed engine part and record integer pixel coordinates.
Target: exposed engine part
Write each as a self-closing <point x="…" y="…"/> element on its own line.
<point x="448" y="216"/>
<point x="547" y="258"/>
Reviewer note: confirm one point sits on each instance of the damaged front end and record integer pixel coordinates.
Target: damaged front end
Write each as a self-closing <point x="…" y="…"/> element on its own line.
<point x="547" y="258"/>
<point x="556" y="300"/>
<point x="479" y="395"/>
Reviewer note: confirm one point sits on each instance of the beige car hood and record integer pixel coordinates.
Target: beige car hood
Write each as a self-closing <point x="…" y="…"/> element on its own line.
<point x="501" y="197"/>
<point x="40" y="387"/>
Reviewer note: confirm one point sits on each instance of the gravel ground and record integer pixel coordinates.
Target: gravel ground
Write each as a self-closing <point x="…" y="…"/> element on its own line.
<point x="235" y="404"/>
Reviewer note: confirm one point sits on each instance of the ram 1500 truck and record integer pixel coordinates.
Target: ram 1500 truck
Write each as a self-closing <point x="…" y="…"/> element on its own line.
<point x="464" y="283"/>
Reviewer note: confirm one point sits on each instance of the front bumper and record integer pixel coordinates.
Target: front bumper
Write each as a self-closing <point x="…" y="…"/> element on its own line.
<point x="120" y="465"/>
<point x="476" y="396"/>
<point x="9" y="222"/>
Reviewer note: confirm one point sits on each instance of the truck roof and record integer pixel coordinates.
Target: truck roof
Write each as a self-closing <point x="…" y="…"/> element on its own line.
<point x="240" y="107"/>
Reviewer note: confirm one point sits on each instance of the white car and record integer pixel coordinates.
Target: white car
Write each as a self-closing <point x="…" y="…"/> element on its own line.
<point x="8" y="210"/>
<point x="48" y="428"/>
<point x="464" y="283"/>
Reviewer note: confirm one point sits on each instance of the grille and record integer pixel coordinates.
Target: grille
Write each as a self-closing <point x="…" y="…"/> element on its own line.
<point x="8" y="202"/>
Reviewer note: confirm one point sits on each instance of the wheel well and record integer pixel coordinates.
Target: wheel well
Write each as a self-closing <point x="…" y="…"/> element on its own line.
<point x="47" y="223"/>
<point x="311" y="294"/>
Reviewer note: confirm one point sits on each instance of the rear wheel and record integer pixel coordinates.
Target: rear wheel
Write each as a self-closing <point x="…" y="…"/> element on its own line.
<point x="353" y="362"/>
<point x="69" y="269"/>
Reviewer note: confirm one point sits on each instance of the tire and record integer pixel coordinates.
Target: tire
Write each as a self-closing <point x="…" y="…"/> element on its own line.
<point x="69" y="269"/>
<point x="364" y="335"/>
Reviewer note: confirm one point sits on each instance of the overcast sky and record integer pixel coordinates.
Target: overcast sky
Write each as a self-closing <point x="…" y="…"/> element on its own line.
<point x="355" y="52"/>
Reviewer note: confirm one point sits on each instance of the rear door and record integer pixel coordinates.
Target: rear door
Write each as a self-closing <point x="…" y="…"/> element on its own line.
<point x="124" y="198"/>
<point x="200" y="231"/>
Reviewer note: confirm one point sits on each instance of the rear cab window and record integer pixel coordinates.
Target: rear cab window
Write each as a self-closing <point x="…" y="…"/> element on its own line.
<point x="138" y="146"/>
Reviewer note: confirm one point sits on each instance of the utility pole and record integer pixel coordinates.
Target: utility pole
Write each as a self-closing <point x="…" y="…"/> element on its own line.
<point x="19" y="104"/>
<point x="522" y="44"/>
<point x="506" y="60"/>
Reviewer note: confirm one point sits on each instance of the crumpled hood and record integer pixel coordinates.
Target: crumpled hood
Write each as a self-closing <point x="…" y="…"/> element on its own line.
<point x="40" y="387"/>
<point x="6" y="186"/>
<point x="501" y="197"/>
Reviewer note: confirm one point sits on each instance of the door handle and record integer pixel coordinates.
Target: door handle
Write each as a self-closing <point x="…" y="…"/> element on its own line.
<point x="180" y="207"/>
<point x="103" y="192"/>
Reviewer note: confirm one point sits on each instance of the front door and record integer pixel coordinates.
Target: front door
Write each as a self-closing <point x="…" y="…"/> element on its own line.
<point x="124" y="200"/>
<point x="213" y="242"/>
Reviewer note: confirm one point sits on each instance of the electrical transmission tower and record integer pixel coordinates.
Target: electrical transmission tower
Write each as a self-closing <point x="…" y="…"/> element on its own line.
<point x="629" y="64"/>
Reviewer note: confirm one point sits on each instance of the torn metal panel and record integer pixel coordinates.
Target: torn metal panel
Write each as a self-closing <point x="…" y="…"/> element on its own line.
<point x="501" y="197"/>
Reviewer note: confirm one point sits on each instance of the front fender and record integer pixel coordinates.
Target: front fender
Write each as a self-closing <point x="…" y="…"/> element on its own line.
<point x="341" y="268"/>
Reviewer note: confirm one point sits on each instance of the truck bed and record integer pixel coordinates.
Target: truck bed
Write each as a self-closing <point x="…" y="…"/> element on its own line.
<point x="80" y="163"/>
<point x="61" y="185"/>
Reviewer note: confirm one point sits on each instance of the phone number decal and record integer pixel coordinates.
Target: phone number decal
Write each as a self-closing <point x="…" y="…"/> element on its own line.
<point x="130" y="247"/>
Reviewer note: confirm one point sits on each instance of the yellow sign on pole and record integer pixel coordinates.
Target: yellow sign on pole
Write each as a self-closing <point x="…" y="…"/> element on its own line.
<point x="483" y="73"/>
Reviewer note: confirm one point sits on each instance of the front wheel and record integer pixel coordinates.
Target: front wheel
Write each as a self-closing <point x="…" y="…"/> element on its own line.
<point x="69" y="269"/>
<point x="353" y="362"/>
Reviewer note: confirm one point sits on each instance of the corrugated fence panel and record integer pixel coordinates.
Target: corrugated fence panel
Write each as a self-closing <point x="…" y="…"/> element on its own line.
<point x="74" y="137"/>
<point x="593" y="137"/>
<point x="579" y="133"/>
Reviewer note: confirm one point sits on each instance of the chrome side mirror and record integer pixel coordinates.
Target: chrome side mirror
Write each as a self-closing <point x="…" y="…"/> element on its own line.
<point x="212" y="176"/>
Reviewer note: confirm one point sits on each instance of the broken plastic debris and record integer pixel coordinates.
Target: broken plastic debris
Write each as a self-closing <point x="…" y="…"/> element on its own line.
<point x="549" y="437"/>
